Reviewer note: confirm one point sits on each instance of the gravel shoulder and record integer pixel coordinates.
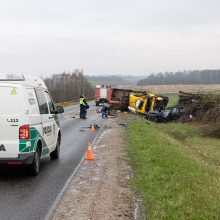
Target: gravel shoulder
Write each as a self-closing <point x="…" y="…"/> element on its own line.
<point x="100" y="189"/>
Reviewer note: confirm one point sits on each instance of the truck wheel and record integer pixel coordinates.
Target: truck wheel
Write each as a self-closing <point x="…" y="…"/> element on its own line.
<point x="55" y="154"/>
<point x="97" y="103"/>
<point x="34" y="168"/>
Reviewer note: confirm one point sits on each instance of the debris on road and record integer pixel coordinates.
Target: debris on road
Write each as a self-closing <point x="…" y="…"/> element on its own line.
<point x="100" y="189"/>
<point x="96" y="126"/>
<point x="121" y="124"/>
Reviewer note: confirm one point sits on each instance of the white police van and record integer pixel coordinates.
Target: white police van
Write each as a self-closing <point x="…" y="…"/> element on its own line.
<point x="29" y="124"/>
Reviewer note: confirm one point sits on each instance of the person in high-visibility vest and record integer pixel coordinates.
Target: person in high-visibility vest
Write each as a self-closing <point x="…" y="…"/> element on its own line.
<point x="83" y="107"/>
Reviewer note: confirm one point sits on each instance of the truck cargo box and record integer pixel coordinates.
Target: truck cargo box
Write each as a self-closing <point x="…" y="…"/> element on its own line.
<point x="120" y="99"/>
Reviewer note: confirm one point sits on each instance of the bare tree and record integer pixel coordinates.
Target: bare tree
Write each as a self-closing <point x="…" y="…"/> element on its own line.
<point x="69" y="86"/>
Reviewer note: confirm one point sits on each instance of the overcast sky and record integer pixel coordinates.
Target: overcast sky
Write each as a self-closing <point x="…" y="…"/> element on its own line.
<point x="109" y="37"/>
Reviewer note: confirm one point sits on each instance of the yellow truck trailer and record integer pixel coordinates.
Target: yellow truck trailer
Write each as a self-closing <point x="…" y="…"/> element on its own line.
<point x="143" y="103"/>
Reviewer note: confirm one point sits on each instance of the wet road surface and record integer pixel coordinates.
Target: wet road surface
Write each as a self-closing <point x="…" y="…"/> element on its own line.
<point x="24" y="197"/>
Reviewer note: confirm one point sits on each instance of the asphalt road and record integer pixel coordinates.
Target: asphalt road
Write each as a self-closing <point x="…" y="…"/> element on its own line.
<point x="24" y="197"/>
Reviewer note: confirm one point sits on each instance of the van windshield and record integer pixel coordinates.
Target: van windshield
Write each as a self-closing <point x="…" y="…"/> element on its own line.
<point x="9" y="101"/>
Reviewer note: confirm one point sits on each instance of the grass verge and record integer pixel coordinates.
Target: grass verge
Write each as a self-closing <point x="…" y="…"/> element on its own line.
<point x="176" y="170"/>
<point x="173" y="98"/>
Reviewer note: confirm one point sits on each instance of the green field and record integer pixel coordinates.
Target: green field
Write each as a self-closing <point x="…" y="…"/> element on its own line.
<point x="176" y="170"/>
<point x="173" y="98"/>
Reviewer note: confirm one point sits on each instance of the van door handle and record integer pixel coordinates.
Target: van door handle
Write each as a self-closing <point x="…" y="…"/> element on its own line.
<point x="50" y="117"/>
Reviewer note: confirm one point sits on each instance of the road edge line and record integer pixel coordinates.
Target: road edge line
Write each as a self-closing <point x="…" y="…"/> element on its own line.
<point x="50" y="213"/>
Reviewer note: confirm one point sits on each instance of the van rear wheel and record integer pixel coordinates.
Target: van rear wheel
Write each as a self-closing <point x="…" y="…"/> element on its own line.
<point x="34" y="168"/>
<point x="55" y="154"/>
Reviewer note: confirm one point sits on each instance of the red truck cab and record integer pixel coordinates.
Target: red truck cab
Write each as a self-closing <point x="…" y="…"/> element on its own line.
<point x="102" y="94"/>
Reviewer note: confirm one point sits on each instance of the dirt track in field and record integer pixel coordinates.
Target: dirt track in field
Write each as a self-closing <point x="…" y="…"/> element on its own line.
<point x="177" y="88"/>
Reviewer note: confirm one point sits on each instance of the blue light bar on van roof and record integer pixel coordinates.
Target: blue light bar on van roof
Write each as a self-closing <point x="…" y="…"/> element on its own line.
<point x="11" y="77"/>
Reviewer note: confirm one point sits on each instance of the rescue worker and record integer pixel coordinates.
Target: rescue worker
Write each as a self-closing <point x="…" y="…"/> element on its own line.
<point x="105" y="111"/>
<point x="83" y="107"/>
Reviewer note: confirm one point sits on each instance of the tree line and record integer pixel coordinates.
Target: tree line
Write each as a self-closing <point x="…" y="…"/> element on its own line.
<point x="182" y="77"/>
<point x="69" y="86"/>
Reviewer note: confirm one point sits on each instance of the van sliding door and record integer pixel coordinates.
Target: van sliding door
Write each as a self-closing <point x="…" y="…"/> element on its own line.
<point x="47" y="121"/>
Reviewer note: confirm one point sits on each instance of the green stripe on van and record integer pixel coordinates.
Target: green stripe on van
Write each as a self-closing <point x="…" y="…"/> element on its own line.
<point x="34" y="137"/>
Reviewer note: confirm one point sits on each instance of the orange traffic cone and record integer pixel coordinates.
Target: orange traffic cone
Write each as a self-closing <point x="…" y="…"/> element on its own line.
<point x="92" y="128"/>
<point x="89" y="154"/>
<point x="95" y="113"/>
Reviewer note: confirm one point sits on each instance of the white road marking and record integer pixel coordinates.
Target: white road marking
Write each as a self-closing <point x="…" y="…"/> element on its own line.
<point x="53" y="208"/>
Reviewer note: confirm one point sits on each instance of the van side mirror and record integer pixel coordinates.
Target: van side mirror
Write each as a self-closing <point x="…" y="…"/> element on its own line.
<point x="60" y="109"/>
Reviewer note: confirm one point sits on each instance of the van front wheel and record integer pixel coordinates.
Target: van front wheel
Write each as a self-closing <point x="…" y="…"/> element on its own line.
<point x="34" y="168"/>
<point x="55" y="154"/>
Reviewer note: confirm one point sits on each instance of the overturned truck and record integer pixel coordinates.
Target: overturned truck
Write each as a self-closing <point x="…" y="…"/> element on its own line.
<point x="136" y="101"/>
<point x="129" y="100"/>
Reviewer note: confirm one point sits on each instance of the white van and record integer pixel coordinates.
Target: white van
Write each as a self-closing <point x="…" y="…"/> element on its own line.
<point x="29" y="124"/>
